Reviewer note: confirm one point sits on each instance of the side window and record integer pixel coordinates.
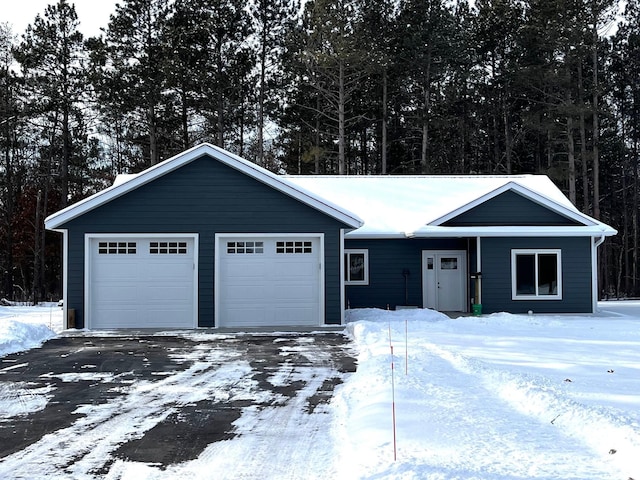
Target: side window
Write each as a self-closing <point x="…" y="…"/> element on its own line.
<point x="356" y="267"/>
<point x="536" y="274"/>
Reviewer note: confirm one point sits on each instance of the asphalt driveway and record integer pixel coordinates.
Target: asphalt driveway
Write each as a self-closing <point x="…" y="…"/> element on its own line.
<point x="85" y="402"/>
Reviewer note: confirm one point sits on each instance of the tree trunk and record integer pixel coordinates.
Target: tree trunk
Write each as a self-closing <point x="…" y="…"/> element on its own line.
<point x="36" y="252"/>
<point x="65" y="156"/>
<point x="596" y="125"/>
<point x="342" y="170"/>
<point x="384" y="122"/>
<point x="508" y="138"/>
<point x="184" y="118"/>
<point x="263" y="59"/>
<point x="220" y="96"/>
<point x="316" y="150"/>
<point x="424" y="151"/>
<point x="153" y="136"/>
<point x="7" y="285"/>
<point x="571" y="157"/>
<point x="636" y="207"/>
<point x="583" y="143"/>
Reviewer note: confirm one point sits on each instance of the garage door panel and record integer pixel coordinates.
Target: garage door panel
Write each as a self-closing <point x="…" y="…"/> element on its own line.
<point x="115" y="317"/>
<point x="115" y="270"/>
<point x="121" y="293"/>
<point x="279" y="285"/>
<point x="293" y="268"/>
<point x="240" y="293"/>
<point x="179" y="271"/>
<point x="151" y="288"/>
<point x="295" y="316"/>
<point x="244" y="270"/>
<point x="294" y="293"/>
<point x="245" y="316"/>
<point x="167" y="295"/>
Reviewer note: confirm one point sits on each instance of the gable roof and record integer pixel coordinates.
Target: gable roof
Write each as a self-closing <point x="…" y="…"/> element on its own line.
<point x="127" y="183"/>
<point x="418" y="206"/>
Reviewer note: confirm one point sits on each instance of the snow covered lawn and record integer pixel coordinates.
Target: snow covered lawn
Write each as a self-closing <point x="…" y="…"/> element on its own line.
<point x="497" y="397"/>
<point x="26" y="327"/>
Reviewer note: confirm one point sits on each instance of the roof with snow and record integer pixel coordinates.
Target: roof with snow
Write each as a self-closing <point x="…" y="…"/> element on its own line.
<point x="379" y="206"/>
<point x="417" y="206"/>
<point x="126" y="183"/>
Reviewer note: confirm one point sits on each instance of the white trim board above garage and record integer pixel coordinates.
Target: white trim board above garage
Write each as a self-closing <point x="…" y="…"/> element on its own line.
<point x="141" y="280"/>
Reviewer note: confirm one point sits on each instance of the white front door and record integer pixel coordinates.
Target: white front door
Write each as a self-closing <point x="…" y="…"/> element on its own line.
<point x="443" y="280"/>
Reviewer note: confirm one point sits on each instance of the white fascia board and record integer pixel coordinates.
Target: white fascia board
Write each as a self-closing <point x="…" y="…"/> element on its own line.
<point x="259" y="173"/>
<point x="355" y="234"/>
<point x="502" y="231"/>
<point x="527" y="193"/>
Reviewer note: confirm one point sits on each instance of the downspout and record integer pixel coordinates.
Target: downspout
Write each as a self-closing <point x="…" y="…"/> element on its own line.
<point x="478" y="270"/>
<point x="342" y="285"/>
<point x="594" y="271"/>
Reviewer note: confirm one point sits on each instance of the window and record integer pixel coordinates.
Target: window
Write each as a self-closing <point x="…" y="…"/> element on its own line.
<point x="116" y="248"/>
<point x="294" y="247"/>
<point x="168" y="248"/>
<point x="356" y="267"/>
<point x="536" y="274"/>
<point x="448" y="263"/>
<point x="246" y="248"/>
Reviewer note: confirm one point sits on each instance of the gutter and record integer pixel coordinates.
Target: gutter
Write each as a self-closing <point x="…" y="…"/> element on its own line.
<point x="594" y="270"/>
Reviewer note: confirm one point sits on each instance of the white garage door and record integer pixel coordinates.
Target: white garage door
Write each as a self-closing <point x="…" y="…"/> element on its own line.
<point x="269" y="281"/>
<point x="142" y="282"/>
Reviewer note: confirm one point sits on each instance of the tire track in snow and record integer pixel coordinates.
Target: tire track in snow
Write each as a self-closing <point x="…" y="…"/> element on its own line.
<point x="611" y="441"/>
<point x="267" y="443"/>
<point x="468" y="431"/>
<point x="104" y="427"/>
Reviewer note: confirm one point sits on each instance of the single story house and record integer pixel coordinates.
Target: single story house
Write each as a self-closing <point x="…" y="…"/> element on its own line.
<point x="207" y="239"/>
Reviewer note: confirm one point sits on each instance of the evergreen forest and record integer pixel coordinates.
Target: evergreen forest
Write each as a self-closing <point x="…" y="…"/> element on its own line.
<point x="349" y="87"/>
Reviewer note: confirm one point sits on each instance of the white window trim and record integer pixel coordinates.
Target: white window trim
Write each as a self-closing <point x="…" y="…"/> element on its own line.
<point x="360" y="251"/>
<point x="536" y="252"/>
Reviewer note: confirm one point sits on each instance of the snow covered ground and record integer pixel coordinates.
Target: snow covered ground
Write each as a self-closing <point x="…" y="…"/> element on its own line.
<point x="26" y="327"/>
<point x="497" y="397"/>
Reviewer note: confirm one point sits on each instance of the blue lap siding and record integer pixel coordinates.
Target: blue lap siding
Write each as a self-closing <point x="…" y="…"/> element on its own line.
<point x="576" y="275"/>
<point x="388" y="258"/>
<point x="204" y="197"/>
<point x="509" y="208"/>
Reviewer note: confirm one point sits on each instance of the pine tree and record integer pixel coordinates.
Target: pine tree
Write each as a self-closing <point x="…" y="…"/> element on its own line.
<point x="52" y="57"/>
<point x="9" y="111"/>
<point x="270" y="18"/>
<point x="130" y="70"/>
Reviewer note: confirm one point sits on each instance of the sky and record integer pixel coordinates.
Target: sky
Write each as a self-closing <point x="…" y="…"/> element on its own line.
<point x="92" y="14"/>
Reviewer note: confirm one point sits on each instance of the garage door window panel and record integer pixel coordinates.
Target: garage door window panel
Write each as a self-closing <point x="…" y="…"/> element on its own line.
<point x="168" y="248"/>
<point x="294" y="247"/>
<point x="245" y="248"/>
<point x="117" y="248"/>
